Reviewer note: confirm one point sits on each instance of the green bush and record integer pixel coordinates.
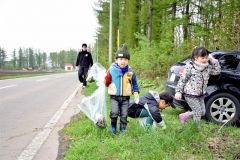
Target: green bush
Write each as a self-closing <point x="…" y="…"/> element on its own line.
<point x="153" y="61"/>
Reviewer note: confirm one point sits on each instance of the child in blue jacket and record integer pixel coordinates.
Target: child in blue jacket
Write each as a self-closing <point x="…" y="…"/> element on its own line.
<point x="121" y="82"/>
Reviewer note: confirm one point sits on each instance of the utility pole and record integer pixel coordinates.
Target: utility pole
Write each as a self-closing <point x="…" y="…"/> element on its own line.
<point x="110" y="35"/>
<point x="97" y="51"/>
<point x="118" y="41"/>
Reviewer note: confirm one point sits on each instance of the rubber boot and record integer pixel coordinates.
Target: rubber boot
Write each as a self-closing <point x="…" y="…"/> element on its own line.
<point x="183" y="117"/>
<point x="114" y="127"/>
<point x="122" y="128"/>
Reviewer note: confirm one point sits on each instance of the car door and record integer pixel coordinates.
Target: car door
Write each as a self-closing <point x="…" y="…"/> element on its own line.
<point x="224" y="105"/>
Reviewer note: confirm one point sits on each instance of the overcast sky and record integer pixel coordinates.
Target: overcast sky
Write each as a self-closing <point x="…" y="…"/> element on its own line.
<point x="49" y="25"/>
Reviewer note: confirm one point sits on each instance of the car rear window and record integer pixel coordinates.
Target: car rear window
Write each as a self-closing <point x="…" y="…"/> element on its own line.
<point x="230" y="62"/>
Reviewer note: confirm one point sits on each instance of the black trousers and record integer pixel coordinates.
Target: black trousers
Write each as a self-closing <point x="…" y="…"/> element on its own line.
<point x="119" y="107"/>
<point x="82" y="74"/>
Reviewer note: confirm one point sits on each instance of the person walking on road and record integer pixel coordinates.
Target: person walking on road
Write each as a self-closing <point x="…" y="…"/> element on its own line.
<point x="84" y="62"/>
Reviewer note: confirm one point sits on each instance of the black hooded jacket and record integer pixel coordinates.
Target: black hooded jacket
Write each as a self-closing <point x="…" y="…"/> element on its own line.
<point x="84" y="59"/>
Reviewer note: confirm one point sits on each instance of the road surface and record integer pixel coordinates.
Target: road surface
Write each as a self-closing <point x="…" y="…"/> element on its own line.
<point x="29" y="110"/>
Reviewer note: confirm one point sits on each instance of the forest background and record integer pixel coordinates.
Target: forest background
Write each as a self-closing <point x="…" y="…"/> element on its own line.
<point x="158" y="33"/>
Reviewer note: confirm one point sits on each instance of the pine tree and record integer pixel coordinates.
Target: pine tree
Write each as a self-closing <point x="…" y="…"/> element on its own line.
<point x="132" y="22"/>
<point x="20" y="58"/>
<point x="14" y="60"/>
<point x="3" y="57"/>
<point x="31" y="58"/>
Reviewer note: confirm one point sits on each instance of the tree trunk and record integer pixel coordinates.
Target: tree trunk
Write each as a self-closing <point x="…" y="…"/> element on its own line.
<point x="186" y="24"/>
<point x="174" y="9"/>
<point x="149" y="19"/>
<point x="115" y="24"/>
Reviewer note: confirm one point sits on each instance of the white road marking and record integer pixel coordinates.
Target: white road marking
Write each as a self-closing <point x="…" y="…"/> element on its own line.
<point x="30" y="151"/>
<point x="44" y="79"/>
<point x="8" y="86"/>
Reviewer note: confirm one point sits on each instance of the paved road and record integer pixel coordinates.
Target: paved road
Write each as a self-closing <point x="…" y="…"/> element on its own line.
<point x="27" y="105"/>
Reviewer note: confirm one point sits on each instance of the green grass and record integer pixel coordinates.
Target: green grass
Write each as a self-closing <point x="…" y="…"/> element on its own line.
<point x="191" y="141"/>
<point x="89" y="89"/>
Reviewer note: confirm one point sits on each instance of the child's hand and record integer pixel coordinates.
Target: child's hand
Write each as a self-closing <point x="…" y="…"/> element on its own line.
<point x="212" y="59"/>
<point x="163" y="125"/>
<point x="178" y="96"/>
<point x="136" y="97"/>
<point x="77" y="68"/>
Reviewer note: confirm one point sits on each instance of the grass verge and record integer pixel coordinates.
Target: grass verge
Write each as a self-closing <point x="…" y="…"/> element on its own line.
<point x="191" y="141"/>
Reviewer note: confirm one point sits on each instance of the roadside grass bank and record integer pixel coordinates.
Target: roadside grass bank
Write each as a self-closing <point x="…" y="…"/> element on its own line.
<point x="191" y="141"/>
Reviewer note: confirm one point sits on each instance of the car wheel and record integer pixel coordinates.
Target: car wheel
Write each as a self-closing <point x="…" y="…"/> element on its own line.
<point x="222" y="108"/>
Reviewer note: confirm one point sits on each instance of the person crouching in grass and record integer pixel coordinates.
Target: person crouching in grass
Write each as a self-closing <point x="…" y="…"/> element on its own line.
<point x="148" y="108"/>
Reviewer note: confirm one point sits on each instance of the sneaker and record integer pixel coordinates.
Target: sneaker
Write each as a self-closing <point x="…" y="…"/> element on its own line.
<point x="83" y="87"/>
<point x="183" y="117"/>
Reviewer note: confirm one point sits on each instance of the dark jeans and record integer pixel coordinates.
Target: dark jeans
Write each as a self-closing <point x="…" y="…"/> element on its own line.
<point x="119" y="106"/>
<point x="82" y="74"/>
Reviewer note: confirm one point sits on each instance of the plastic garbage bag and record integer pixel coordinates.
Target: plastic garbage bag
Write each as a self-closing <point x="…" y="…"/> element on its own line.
<point x="94" y="106"/>
<point x="93" y="72"/>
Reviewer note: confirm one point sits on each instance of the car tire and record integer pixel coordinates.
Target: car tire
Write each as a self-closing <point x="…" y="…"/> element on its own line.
<point x="223" y="108"/>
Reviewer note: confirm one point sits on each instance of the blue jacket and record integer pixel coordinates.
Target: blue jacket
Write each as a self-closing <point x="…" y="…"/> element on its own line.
<point x="121" y="81"/>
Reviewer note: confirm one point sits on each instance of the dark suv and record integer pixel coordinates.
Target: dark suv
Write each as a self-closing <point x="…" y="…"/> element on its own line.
<point x="223" y="91"/>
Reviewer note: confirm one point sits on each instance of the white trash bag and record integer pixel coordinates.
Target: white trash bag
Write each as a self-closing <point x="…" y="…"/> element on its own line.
<point x="94" y="71"/>
<point x="94" y="106"/>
